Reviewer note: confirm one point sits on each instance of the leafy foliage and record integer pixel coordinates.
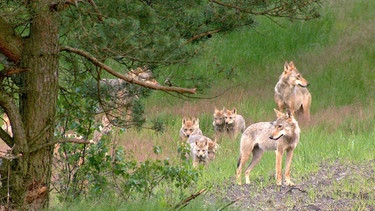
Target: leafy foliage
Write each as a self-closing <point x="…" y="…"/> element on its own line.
<point x="91" y="171"/>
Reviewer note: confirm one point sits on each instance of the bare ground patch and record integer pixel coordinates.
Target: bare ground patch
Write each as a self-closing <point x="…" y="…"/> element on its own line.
<point x="337" y="185"/>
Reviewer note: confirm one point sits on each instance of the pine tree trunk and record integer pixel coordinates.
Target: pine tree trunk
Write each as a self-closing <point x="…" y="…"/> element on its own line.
<point x="31" y="173"/>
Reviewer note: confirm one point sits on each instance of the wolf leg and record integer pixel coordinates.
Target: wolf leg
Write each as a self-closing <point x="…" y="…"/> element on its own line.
<point x="289" y="156"/>
<point x="279" y="159"/>
<point x="257" y="155"/>
<point x="244" y="157"/>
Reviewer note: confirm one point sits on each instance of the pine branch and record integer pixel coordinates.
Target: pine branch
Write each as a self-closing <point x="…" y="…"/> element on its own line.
<point x="125" y="77"/>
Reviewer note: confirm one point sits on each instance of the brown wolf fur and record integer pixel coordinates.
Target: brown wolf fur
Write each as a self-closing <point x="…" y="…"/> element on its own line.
<point x="212" y="145"/>
<point x="234" y="123"/>
<point x="291" y="92"/>
<point x="219" y="123"/>
<point x="280" y="136"/>
<point x="189" y="127"/>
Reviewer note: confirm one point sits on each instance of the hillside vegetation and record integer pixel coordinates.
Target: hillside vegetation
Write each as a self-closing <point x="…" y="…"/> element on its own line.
<point x="336" y="54"/>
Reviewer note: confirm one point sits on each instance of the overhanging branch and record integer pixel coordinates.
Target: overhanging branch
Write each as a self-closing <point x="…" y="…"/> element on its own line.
<point x="125" y="77"/>
<point x="59" y="141"/>
<point x="276" y="10"/>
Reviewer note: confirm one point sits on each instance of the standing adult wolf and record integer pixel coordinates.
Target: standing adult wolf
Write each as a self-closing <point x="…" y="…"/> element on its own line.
<point x="280" y="136"/>
<point x="291" y="92"/>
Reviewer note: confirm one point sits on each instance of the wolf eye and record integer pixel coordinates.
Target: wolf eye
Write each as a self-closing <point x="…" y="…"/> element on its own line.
<point x="280" y="126"/>
<point x="191" y="130"/>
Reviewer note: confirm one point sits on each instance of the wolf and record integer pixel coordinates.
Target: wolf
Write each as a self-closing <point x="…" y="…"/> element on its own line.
<point x="219" y="123"/>
<point x="234" y="123"/>
<point x="291" y="92"/>
<point x="199" y="150"/>
<point x="280" y="136"/>
<point x="190" y="126"/>
<point x="212" y="145"/>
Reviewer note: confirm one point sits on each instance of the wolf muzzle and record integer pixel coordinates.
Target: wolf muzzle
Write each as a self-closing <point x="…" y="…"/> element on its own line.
<point x="303" y="85"/>
<point x="277" y="138"/>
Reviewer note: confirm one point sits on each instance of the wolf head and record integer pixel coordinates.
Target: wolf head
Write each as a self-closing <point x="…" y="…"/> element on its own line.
<point x="292" y="77"/>
<point x="230" y="116"/>
<point x="219" y="117"/>
<point x="190" y="126"/>
<point x="201" y="147"/>
<point x="211" y="152"/>
<point x="285" y="125"/>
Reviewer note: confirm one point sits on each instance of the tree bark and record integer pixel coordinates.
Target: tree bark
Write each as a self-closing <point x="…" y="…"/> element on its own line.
<point x="31" y="173"/>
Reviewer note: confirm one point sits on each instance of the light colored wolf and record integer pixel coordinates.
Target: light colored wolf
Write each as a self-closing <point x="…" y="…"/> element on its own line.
<point x="190" y="126"/>
<point x="234" y="123"/>
<point x="212" y="145"/>
<point x="291" y="92"/>
<point x="280" y="136"/>
<point x="203" y="149"/>
<point x="219" y="123"/>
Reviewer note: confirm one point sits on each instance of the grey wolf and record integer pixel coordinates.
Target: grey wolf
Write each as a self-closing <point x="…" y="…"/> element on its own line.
<point x="190" y="126"/>
<point x="118" y="97"/>
<point x="234" y="122"/>
<point x="291" y="92"/>
<point x="280" y="136"/>
<point x="212" y="145"/>
<point x="203" y="149"/>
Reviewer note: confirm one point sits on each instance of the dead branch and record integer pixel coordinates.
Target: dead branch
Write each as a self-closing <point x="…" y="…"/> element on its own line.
<point x="59" y="141"/>
<point x="230" y="203"/>
<point x="294" y="187"/>
<point x="186" y="201"/>
<point x="125" y="77"/>
<point x="276" y="11"/>
<point x="100" y="16"/>
<point x="195" y="37"/>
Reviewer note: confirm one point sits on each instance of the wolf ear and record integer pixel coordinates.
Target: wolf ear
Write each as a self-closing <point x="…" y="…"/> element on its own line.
<point x="291" y="64"/>
<point x="289" y="114"/>
<point x="183" y="120"/>
<point x="196" y="122"/>
<point x="205" y="142"/>
<point x="234" y="111"/>
<point x="278" y="113"/>
<point x="286" y="67"/>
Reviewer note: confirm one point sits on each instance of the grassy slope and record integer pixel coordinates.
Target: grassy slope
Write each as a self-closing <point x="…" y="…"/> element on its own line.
<point x="336" y="54"/>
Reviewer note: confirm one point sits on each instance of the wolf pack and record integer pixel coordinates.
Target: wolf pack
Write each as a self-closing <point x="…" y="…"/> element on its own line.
<point x="293" y="102"/>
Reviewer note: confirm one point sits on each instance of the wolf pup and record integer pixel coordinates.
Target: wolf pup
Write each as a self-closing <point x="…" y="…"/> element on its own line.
<point x="212" y="145"/>
<point x="291" y="92"/>
<point x="219" y="123"/>
<point x="280" y="136"/>
<point x="189" y="127"/>
<point x="234" y="123"/>
<point x="199" y="151"/>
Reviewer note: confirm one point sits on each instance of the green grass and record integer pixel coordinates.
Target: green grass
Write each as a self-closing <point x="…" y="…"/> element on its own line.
<point x="335" y="53"/>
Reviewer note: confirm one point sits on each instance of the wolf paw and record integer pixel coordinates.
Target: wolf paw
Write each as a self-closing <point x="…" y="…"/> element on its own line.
<point x="289" y="183"/>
